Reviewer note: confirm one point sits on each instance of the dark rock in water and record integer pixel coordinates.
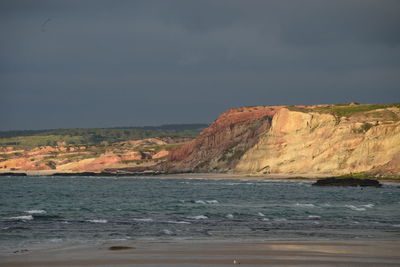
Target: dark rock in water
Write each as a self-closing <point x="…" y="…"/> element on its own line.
<point x="12" y="174"/>
<point x="120" y="248"/>
<point x="334" y="181"/>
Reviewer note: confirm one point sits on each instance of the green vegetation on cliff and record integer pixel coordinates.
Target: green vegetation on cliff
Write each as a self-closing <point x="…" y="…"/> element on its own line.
<point x="93" y="136"/>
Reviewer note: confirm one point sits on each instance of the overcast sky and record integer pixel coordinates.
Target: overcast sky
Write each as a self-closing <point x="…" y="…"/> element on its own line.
<point x="110" y="63"/>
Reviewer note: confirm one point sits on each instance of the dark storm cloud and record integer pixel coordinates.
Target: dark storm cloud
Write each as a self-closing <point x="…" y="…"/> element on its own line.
<point x="112" y="63"/>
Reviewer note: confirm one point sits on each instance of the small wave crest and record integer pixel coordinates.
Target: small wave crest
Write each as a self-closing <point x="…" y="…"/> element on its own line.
<point x="98" y="221"/>
<point x="370" y="205"/>
<point x="167" y="232"/>
<point x="143" y="219"/>
<point x="204" y="202"/>
<point x="33" y="212"/>
<point x="22" y="218"/>
<point x="314" y="216"/>
<point x="304" y="205"/>
<point x="261" y="214"/>
<point x="352" y="207"/>
<point x="198" y="217"/>
<point x="178" y="222"/>
<point x="229" y="216"/>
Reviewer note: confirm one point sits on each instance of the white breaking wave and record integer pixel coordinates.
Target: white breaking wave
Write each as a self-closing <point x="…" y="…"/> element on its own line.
<point x="229" y="216"/>
<point x="371" y="205"/>
<point x="261" y="214"/>
<point x="265" y="219"/>
<point x="144" y="220"/>
<point x="178" y="222"/>
<point x="355" y="208"/>
<point x="36" y="211"/>
<point x="167" y="232"/>
<point x="305" y="205"/>
<point x="98" y="221"/>
<point x="314" y="216"/>
<point x="198" y="217"/>
<point x="206" y="202"/>
<point x="22" y="218"/>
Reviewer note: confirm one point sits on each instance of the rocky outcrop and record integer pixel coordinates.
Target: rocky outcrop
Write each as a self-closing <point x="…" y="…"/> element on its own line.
<point x="334" y="181"/>
<point x="297" y="140"/>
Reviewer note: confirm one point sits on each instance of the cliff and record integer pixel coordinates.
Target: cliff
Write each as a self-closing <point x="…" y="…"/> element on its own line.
<point x="140" y="154"/>
<point x="300" y="140"/>
<point x="220" y="146"/>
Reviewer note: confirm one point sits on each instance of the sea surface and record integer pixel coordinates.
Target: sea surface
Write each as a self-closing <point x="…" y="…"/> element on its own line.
<point x="70" y="210"/>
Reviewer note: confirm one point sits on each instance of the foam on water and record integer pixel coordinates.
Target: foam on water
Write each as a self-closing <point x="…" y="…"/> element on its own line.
<point x="198" y="217"/>
<point x="22" y="218"/>
<point x="371" y="205"/>
<point x="204" y="202"/>
<point x="143" y="219"/>
<point x="305" y="205"/>
<point x="167" y="232"/>
<point x="261" y="214"/>
<point x="97" y="221"/>
<point x="355" y="208"/>
<point x="36" y="211"/>
<point x="178" y="222"/>
<point x="229" y="216"/>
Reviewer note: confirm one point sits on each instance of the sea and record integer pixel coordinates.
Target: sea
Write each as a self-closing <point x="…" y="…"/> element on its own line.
<point x="57" y="211"/>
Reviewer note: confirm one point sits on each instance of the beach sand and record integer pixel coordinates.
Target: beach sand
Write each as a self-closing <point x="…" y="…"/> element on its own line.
<point x="214" y="253"/>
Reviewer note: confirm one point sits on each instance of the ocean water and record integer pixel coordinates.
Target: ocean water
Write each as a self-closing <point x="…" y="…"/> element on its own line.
<point x="67" y="210"/>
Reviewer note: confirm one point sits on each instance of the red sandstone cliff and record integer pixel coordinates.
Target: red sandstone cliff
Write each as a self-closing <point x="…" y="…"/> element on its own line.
<point x="220" y="146"/>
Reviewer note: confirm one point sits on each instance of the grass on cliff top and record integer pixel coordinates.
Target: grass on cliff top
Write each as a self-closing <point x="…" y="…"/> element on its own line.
<point x="345" y="110"/>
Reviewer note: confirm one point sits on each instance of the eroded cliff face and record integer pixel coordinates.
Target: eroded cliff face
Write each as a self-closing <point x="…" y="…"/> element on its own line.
<point x="220" y="146"/>
<point x="315" y="143"/>
<point x="296" y="140"/>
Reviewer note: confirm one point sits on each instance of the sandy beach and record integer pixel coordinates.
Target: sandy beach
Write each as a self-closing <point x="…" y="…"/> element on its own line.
<point x="218" y="253"/>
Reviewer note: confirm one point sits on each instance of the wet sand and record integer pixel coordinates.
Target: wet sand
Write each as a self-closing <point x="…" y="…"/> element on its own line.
<point x="214" y="253"/>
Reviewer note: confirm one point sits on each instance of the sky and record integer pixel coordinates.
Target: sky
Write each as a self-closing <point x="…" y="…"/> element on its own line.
<point x="73" y="63"/>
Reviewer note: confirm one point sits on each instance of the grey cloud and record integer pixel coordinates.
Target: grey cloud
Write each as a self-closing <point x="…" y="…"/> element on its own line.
<point x="110" y="63"/>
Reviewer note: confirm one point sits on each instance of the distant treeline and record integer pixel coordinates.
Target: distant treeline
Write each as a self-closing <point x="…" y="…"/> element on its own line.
<point x="94" y="136"/>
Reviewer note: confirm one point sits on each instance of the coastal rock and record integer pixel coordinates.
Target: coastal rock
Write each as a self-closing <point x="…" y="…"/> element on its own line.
<point x="334" y="181"/>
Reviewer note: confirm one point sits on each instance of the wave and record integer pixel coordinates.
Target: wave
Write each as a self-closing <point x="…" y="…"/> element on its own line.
<point x="206" y="202"/>
<point x="370" y="205"/>
<point x="314" y="216"/>
<point x="178" y="222"/>
<point x="198" y="217"/>
<point x="305" y="205"/>
<point x="14" y="228"/>
<point x="352" y="207"/>
<point x="261" y="214"/>
<point x="98" y="221"/>
<point x="265" y="219"/>
<point x="280" y="220"/>
<point x="229" y="216"/>
<point x="167" y="232"/>
<point x="22" y="218"/>
<point x="143" y="219"/>
<point x="36" y="211"/>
